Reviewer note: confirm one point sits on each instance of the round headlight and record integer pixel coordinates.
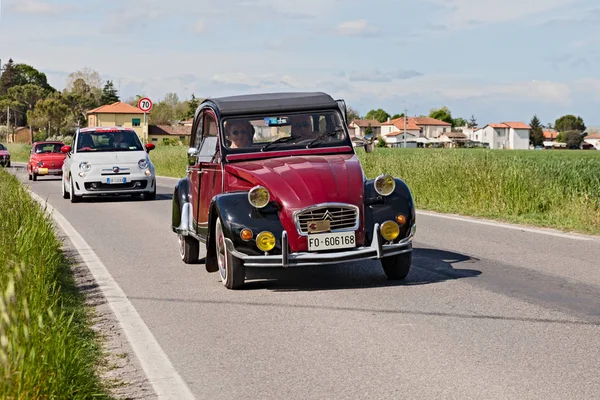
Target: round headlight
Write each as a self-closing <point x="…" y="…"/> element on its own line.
<point x="390" y="230"/>
<point x="265" y="241"/>
<point x="40" y="163"/>
<point x="259" y="197"/>
<point x="143" y="164"/>
<point x="85" y="166"/>
<point x="385" y="184"/>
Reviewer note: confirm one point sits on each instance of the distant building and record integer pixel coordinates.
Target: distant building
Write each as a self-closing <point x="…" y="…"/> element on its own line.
<point x="505" y="135"/>
<point x="119" y="114"/>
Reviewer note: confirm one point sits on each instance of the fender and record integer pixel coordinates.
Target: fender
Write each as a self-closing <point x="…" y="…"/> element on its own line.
<point x="237" y="213"/>
<point x="382" y="208"/>
<point x="181" y="217"/>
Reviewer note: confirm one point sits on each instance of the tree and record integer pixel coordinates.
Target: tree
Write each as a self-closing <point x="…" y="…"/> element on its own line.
<point x="193" y="104"/>
<point x="536" y="137"/>
<point x="379" y="114"/>
<point x="573" y="139"/>
<point x="569" y="122"/>
<point x="369" y="130"/>
<point x="50" y="112"/>
<point x="442" y="114"/>
<point x="472" y="122"/>
<point x="459" y="122"/>
<point x="396" y="116"/>
<point x="26" y="74"/>
<point x="27" y="96"/>
<point x="9" y="77"/>
<point x="352" y="114"/>
<point x="109" y="94"/>
<point x="89" y="76"/>
<point x="162" y="114"/>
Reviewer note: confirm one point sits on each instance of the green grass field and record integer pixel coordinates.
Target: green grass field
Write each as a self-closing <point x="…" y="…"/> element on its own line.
<point x="18" y="152"/>
<point x="549" y="188"/>
<point x="47" y="348"/>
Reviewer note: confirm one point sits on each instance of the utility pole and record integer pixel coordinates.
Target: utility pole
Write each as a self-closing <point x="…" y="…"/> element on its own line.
<point x="405" y="127"/>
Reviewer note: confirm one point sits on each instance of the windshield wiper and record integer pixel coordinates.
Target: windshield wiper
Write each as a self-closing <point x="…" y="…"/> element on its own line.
<point x="280" y="140"/>
<point x="323" y="136"/>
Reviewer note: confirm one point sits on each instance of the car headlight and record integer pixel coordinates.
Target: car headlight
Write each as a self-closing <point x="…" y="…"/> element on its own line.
<point x="85" y="166"/>
<point x="259" y="197"/>
<point x="143" y="164"/>
<point x="385" y="184"/>
<point x="40" y="163"/>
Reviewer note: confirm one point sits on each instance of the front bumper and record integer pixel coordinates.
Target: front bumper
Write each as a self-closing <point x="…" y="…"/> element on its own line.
<point x="95" y="185"/>
<point x="376" y="250"/>
<point x="47" y="171"/>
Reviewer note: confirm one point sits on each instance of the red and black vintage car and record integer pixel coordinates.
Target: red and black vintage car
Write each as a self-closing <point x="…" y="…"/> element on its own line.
<point x="273" y="181"/>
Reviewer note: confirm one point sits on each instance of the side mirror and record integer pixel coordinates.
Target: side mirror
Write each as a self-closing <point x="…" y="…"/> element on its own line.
<point x="150" y="146"/>
<point x="368" y="147"/>
<point x="192" y="154"/>
<point x="66" y="149"/>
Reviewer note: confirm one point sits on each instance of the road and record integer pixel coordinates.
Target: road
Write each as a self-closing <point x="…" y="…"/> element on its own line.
<point x="486" y="312"/>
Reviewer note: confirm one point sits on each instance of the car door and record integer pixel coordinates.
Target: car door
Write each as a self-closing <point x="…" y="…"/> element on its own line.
<point x="210" y="169"/>
<point x="193" y="170"/>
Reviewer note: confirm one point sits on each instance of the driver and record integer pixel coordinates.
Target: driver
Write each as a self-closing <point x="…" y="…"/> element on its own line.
<point x="239" y="133"/>
<point x="302" y="127"/>
<point x="119" y="141"/>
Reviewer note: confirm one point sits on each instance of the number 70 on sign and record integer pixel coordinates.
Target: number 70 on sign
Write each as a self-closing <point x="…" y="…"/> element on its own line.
<point x="145" y="104"/>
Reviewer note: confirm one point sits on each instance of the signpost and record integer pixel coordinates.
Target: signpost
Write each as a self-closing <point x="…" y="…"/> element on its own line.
<point x="145" y="104"/>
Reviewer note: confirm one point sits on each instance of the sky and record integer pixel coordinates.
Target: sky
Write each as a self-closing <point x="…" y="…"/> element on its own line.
<point x="499" y="60"/>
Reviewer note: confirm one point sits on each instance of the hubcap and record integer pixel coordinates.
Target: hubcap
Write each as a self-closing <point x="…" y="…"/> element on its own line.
<point x="220" y="250"/>
<point x="181" y="245"/>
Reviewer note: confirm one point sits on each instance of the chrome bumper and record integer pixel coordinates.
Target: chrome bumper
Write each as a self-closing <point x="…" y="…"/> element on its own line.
<point x="376" y="250"/>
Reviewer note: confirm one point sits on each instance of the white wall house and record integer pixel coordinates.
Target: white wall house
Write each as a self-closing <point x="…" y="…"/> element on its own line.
<point x="593" y="139"/>
<point x="431" y="127"/>
<point x="358" y="127"/>
<point x="393" y="130"/>
<point x="505" y="135"/>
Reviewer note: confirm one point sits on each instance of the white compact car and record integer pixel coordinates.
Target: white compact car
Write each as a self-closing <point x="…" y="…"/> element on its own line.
<point x="107" y="161"/>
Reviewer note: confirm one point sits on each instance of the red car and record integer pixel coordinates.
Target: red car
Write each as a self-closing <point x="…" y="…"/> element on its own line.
<point x="273" y="181"/>
<point x="46" y="158"/>
<point x="4" y="156"/>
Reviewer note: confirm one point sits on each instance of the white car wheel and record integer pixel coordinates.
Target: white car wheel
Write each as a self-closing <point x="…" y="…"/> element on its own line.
<point x="231" y="269"/>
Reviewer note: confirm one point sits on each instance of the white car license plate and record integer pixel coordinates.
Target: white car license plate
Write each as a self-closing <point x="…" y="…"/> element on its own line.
<point x="331" y="241"/>
<point x="120" y="179"/>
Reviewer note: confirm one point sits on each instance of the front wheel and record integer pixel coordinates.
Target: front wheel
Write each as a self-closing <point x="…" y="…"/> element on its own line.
<point x="74" y="198"/>
<point x="231" y="269"/>
<point x="189" y="249"/>
<point x="397" y="267"/>
<point x="65" y="194"/>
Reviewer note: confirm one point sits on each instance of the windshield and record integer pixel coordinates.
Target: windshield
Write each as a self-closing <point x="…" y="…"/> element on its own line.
<point x="48" y="148"/>
<point x="288" y="131"/>
<point x="112" y="140"/>
<point x="2" y="147"/>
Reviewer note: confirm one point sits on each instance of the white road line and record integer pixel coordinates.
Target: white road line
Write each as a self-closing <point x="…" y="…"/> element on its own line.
<point x="510" y="226"/>
<point x="165" y="380"/>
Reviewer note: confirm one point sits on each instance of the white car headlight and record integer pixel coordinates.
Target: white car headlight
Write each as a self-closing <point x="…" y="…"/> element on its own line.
<point x="85" y="166"/>
<point x="143" y="163"/>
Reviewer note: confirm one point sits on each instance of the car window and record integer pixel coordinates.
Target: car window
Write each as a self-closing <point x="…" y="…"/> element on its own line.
<point x="296" y="130"/>
<point x="198" y="133"/>
<point x="48" y="148"/>
<point x="108" y="140"/>
<point x="208" y="148"/>
<point x="2" y="147"/>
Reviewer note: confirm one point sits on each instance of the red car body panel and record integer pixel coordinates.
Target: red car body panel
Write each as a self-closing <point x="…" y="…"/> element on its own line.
<point x="299" y="181"/>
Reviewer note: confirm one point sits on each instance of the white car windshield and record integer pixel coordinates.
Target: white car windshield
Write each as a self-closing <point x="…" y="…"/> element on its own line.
<point x="108" y="140"/>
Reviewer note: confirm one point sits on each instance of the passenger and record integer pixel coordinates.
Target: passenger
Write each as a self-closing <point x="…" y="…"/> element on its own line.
<point x="302" y="127"/>
<point x="239" y="133"/>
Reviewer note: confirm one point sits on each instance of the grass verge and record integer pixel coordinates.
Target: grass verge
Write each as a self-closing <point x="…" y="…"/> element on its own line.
<point x="18" y="152"/>
<point x="47" y="346"/>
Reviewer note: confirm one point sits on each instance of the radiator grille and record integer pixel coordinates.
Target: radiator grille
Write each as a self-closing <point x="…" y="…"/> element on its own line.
<point x="341" y="217"/>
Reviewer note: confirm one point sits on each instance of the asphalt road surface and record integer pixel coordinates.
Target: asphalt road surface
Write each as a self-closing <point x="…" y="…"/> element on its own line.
<point x="487" y="312"/>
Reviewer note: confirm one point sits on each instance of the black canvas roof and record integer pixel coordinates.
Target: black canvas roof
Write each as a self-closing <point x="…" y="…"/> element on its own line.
<point x="273" y="102"/>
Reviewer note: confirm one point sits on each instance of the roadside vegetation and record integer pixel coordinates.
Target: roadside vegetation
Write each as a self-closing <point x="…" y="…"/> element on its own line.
<point x="18" y="152"/>
<point x="47" y="347"/>
<point x="550" y="188"/>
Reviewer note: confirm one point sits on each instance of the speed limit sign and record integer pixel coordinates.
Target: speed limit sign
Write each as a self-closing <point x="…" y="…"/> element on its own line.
<point x="145" y="104"/>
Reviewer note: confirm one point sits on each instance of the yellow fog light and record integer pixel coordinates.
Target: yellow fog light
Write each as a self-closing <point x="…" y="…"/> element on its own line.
<point x="400" y="219"/>
<point x="265" y="241"/>
<point x="246" y="234"/>
<point x="258" y="196"/>
<point x="385" y="184"/>
<point x="390" y="230"/>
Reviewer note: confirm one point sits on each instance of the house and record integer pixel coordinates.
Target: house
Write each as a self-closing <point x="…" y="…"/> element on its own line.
<point x="506" y="135"/>
<point x="21" y="134"/>
<point x="431" y="127"/>
<point x="396" y="139"/>
<point x="593" y="139"/>
<point x="157" y="133"/>
<point x="453" y="139"/>
<point x="358" y="127"/>
<point x="119" y="114"/>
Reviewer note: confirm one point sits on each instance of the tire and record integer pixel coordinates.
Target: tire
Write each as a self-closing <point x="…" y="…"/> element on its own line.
<point x="231" y="269"/>
<point x="34" y="177"/>
<point x="74" y="198"/>
<point x="151" y="195"/>
<point x="397" y="267"/>
<point x="65" y="194"/>
<point x="29" y="176"/>
<point x="189" y="249"/>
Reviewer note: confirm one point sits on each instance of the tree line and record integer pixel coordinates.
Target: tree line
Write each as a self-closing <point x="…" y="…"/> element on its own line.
<point x="26" y="99"/>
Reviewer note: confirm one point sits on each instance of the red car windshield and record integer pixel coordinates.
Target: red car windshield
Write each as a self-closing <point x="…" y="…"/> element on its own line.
<point x="96" y="141"/>
<point x="48" y="148"/>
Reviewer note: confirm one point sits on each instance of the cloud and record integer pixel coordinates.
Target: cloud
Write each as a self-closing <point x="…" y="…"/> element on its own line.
<point x="378" y="76"/>
<point x="35" y="7"/>
<point x="581" y="17"/>
<point x="360" y="28"/>
<point x="199" y="27"/>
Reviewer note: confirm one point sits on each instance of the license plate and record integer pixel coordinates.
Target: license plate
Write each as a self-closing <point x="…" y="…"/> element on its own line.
<point x="120" y="179"/>
<point x="42" y="171"/>
<point x="331" y="241"/>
